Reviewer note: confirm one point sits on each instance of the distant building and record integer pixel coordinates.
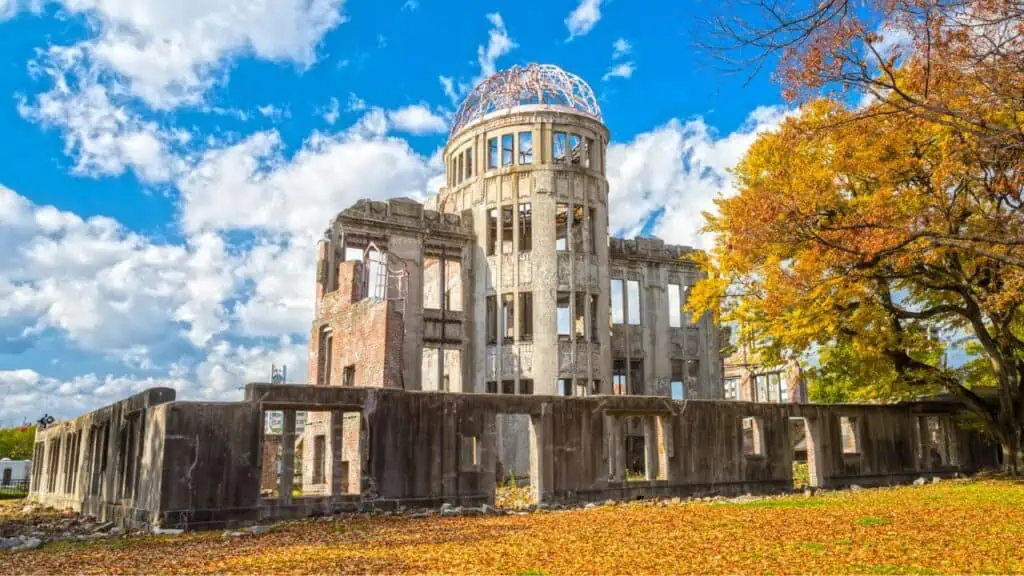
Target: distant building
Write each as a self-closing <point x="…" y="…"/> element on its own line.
<point x="14" y="471"/>
<point x="747" y="378"/>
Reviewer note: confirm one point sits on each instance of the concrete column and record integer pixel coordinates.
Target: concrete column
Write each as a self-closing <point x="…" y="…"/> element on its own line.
<point x="650" y="449"/>
<point x="617" y="449"/>
<point x="665" y="446"/>
<point x="338" y="481"/>
<point x="287" y="479"/>
<point x="813" y="462"/>
<point x="541" y="472"/>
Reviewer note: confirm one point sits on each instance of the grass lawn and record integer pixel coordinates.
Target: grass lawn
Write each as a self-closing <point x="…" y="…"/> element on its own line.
<point x="952" y="527"/>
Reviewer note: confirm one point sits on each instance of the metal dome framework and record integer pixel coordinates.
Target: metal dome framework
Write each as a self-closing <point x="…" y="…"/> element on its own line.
<point x="543" y="84"/>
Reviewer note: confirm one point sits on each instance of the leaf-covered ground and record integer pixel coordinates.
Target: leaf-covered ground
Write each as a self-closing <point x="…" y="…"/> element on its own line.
<point x="952" y="527"/>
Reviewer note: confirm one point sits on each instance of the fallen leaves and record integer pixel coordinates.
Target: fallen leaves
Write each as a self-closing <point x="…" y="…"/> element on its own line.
<point x="951" y="527"/>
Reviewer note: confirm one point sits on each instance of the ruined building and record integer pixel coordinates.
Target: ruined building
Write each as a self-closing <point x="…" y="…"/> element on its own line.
<point x="494" y="330"/>
<point x="507" y="282"/>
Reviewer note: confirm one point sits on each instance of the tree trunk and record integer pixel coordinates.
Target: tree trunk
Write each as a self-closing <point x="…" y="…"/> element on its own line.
<point x="1010" y="443"/>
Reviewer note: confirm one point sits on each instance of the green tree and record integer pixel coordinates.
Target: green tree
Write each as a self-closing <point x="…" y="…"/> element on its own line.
<point x="16" y="443"/>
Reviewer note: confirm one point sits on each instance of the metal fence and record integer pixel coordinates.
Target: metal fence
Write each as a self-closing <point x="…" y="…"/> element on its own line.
<point x="15" y="488"/>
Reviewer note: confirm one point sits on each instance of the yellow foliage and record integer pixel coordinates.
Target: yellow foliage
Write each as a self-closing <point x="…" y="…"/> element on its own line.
<point x="952" y="527"/>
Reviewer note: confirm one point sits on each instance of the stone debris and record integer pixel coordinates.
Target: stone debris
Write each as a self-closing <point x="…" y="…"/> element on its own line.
<point x="168" y="531"/>
<point x="920" y="482"/>
<point x="259" y="530"/>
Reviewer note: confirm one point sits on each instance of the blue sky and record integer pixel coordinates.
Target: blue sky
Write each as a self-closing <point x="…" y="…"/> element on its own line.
<point x="168" y="165"/>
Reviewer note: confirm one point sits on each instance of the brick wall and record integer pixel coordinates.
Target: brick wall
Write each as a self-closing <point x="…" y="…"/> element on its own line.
<point x="367" y="335"/>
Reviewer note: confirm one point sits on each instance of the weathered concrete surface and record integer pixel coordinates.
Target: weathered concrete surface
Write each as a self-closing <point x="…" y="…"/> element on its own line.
<point x="200" y="464"/>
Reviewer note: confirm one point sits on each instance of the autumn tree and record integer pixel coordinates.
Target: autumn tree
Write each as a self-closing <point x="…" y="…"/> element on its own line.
<point x="875" y="235"/>
<point x="843" y="47"/>
<point x="16" y="443"/>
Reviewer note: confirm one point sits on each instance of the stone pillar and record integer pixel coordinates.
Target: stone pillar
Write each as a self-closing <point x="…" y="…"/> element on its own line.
<point x="541" y="477"/>
<point x="666" y="448"/>
<point x="338" y="478"/>
<point x="284" y="484"/>
<point x="650" y="449"/>
<point x="616" y="449"/>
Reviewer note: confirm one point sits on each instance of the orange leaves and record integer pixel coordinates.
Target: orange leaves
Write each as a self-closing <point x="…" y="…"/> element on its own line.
<point x="952" y="527"/>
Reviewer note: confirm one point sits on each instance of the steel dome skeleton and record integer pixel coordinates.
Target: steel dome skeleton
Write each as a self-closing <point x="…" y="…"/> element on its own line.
<point x="542" y="84"/>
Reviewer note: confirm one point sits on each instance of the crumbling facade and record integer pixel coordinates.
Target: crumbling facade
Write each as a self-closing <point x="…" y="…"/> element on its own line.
<point x="506" y="282"/>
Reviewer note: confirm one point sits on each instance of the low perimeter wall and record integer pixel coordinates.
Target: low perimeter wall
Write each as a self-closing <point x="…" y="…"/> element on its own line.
<point x="151" y="460"/>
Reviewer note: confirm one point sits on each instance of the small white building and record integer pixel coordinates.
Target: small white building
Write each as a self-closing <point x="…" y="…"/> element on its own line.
<point x="14" y="471"/>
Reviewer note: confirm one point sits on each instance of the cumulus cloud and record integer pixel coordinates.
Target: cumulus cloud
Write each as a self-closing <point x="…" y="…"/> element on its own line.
<point x="103" y="136"/>
<point x="582" y="19"/>
<point x="169" y="53"/>
<point x="677" y="170"/>
<point x="293" y="195"/>
<point x="417" y="119"/>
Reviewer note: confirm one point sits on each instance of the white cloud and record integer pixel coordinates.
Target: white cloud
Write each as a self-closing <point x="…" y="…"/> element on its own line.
<point x="297" y="195"/>
<point x="680" y="168"/>
<point x="582" y="20"/>
<point x="620" y="48"/>
<point x="332" y="112"/>
<point x="108" y="290"/>
<point x="417" y="119"/>
<point x="410" y="5"/>
<point x="104" y="137"/>
<point x="623" y="70"/>
<point x="499" y="43"/>
<point x="169" y="53"/>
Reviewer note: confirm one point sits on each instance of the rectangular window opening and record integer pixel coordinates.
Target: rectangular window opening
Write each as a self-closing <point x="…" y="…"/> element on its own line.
<point x="525" y="227"/>
<point x="526" y="147"/>
<point x="577" y="228"/>
<point x="563" y="317"/>
<point x="675" y="319"/>
<point x="432" y="283"/>
<point x="619" y="377"/>
<point x="594" y="336"/>
<point x="592" y="223"/>
<point x="508" y="229"/>
<point x="561" y="227"/>
<point x="692" y="376"/>
<point x="848" y="435"/>
<point x="349" y="377"/>
<point x="616" y="297"/>
<point x="753" y="443"/>
<point x="492" y="231"/>
<point x="580" y="319"/>
<point x="507" y="153"/>
<point x="564" y="387"/>
<point x="588" y="154"/>
<point x="525" y="316"/>
<point x="453" y="285"/>
<point x="636" y="377"/>
<point x="508" y="386"/>
<point x="678" y="390"/>
<point x="492" y="387"/>
<point x="526" y="386"/>
<point x="492" y="153"/>
<point x="633" y="300"/>
<point x="508" y="317"/>
<point x="492" y="319"/>
<point x="558" y="147"/>
<point x="469" y="163"/>
<point x="575" y="149"/>
<point x="459" y="169"/>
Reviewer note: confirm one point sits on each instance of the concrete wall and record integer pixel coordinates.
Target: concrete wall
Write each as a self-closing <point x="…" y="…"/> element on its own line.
<point x="107" y="463"/>
<point x="200" y="464"/>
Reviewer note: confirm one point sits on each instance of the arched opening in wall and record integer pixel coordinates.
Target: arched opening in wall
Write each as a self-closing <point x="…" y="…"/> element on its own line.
<point x="801" y="440"/>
